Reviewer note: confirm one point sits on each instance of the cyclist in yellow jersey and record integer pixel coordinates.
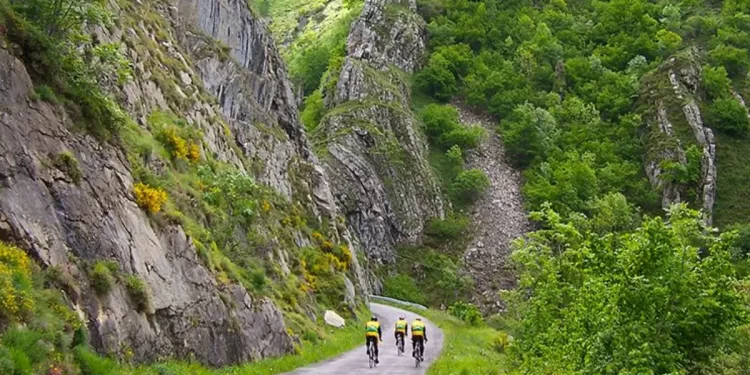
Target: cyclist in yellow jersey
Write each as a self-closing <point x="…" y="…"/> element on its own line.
<point x="418" y="335"/>
<point x="401" y="327"/>
<point x="373" y="334"/>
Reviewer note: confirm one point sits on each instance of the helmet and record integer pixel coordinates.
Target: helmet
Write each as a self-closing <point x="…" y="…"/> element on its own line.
<point x="420" y="319"/>
<point x="401" y="317"/>
<point x="374" y="318"/>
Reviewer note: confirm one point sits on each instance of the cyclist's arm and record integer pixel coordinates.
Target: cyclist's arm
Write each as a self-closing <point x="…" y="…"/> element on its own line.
<point x="424" y="332"/>
<point x="380" y="334"/>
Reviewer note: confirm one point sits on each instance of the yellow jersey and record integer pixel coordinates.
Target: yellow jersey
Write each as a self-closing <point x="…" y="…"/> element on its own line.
<point x="401" y="326"/>
<point x="417" y="329"/>
<point x="372" y="328"/>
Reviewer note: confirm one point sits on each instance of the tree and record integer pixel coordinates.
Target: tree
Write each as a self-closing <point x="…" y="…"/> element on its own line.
<point x="734" y="59"/>
<point x="437" y="79"/>
<point x="468" y="186"/>
<point x="529" y="133"/>
<point x="716" y="82"/>
<point x="729" y="116"/>
<point x="659" y="299"/>
<point x="58" y="18"/>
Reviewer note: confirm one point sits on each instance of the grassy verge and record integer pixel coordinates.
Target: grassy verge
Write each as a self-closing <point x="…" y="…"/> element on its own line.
<point x="337" y="342"/>
<point x="467" y="350"/>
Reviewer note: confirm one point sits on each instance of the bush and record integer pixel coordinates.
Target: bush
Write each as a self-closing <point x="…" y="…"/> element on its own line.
<point x="314" y="110"/>
<point x="404" y="288"/>
<point x="732" y="58"/>
<point x="437" y="79"/>
<point x="138" y="292"/>
<point x="16" y="301"/>
<point x="444" y="129"/>
<point x="102" y="278"/>
<point x="450" y="228"/>
<point x="501" y="342"/>
<point x="67" y="163"/>
<point x="92" y="364"/>
<point x="466" y="312"/>
<point x="729" y="116"/>
<point x="716" y="82"/>
<point x="150" y="199"/>
<point x="529" y="133"/>
<point x="46" y="93"/>
<point x="468" y="186"/>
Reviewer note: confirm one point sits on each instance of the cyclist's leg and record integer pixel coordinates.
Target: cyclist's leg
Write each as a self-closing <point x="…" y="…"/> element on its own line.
<point x="413" y="345"/>
<point x="421" y="347"/>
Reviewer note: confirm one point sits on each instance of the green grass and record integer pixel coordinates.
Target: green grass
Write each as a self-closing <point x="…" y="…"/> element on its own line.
<point x="466" y="350"/>
<point x="337" y="341"/>
<point x="733" y="180"/>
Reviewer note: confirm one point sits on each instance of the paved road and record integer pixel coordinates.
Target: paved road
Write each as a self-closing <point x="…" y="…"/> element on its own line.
<point x="390" y="363"/>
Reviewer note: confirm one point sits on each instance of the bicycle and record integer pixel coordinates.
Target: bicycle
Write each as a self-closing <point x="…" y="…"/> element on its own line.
<point x="400" y="345"/>
<point x="371" y="351"/>
<point x="419" y="354"/>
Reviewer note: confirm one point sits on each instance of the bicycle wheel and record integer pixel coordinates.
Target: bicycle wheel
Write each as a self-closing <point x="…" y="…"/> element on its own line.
<point x="371" y="352"/>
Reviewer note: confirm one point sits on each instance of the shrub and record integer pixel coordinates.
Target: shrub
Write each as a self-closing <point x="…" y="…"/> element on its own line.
<point x="468" y="186"/>
<point x="732" y="58"/>
<point x="451" y="227"/>
<point x="466" y="312"/>
<point x="405" y="288"/>
<point x="67" y="163"/>
<point x="437" y="79"/>
<point x="46" y="93"/>
<point x="194" y="152"/>
<point x="314" y="110"/>
<point x="151" y="199"/>
<point x="138" y="292"/>
<point x="716" y="82"/>
<point x="729" y="116"/>
<point x="92" y="364"/>
<point x="26" y="348"/>
<point x="16" y="301"/>
<point x="102" y="278"/>
<point x="501" y="342"/>
<point x="177" y="146"/>
<point x="444" y="129"/>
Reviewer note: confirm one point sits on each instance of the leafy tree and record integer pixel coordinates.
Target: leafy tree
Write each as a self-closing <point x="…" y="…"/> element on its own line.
<point x="468" y="186"/>
<point x="716" y="82"/>
<point x="728" y="115"/>
<point x="734" y="59"/>
<point x="444" y="129"/>
<point x="668" y="41"/>
<point x="437" y="79"/>
<point x="659" y="299"/>
<point x="529" y="133"/>
<point x="59" y="18"/>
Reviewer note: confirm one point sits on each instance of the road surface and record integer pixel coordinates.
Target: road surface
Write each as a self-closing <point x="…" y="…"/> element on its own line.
<point x="390" y="363"/>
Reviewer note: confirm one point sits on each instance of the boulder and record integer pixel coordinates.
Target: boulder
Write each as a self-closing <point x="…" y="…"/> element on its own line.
<point x="333" y="319"/>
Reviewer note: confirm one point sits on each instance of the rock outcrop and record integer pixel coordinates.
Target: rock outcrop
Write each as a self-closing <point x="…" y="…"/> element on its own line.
<point x="674" y="87"/>
<point x="213" y="65"/>
<point x="374" y="152"/>
<point x="70" y="225"/>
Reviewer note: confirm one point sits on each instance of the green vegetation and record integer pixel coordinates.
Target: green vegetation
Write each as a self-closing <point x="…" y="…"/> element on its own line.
<point x="46" y="37"/>
<point x="729" y="116"/>
<point x="103" y="277"/>
<point x="67" y="163"/>
<point x="138" y="292"/>
<point x="662" y="297"/>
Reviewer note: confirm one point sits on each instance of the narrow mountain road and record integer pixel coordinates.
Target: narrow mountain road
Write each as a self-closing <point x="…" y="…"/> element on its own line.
<point x="497" y="218"/>
<point x="356" y="361"/>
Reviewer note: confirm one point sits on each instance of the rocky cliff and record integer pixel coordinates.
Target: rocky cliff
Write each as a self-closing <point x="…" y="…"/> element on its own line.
<point x="671" y="98"/>
<point x="372" y="146"/>
<point x="211" y="70"/>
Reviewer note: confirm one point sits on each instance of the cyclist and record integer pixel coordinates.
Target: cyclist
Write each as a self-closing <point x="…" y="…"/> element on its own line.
<point x="418" y="335"/>
<point x="401" y="327"/>
<point x="373" y="334"/>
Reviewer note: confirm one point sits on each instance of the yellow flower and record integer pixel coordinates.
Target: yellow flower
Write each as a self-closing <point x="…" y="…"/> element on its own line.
<point x="149" y="198"/>
<point x="194" y="152"/>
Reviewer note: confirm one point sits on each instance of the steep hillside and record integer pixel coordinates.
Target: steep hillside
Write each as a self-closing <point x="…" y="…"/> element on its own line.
<point x="237" y="230"/>
<point x="369" y="138"/>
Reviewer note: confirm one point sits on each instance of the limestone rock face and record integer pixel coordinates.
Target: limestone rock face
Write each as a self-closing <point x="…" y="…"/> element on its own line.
<point x="678" y="100"/>
<point x="68" y="225"/>
<point x="375" y="153"/>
